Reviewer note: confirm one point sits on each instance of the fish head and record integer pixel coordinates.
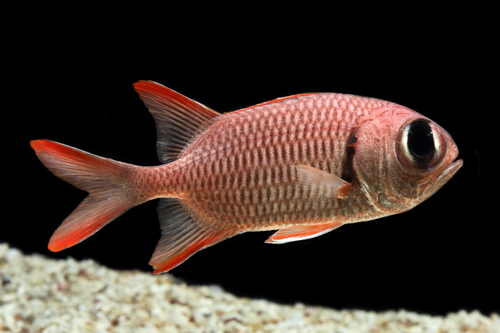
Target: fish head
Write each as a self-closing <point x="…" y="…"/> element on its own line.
<point x="401" y="158"/>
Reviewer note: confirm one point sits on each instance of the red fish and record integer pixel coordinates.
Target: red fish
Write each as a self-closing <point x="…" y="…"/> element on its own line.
<point x="303" y="165"/>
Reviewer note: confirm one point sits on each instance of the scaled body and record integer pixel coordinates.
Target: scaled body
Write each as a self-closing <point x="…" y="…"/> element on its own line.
<point x="240" y="172"/>
<point x="304" y="164"/>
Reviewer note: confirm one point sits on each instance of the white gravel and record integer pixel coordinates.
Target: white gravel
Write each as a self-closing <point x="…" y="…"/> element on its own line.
<point x="43" y="295"/>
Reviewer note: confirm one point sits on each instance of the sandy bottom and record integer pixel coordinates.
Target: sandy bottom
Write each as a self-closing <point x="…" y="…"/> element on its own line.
<point x="45" y="295"/>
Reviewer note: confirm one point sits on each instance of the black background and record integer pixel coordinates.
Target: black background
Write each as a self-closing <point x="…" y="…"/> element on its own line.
<point x="440" y="257"/>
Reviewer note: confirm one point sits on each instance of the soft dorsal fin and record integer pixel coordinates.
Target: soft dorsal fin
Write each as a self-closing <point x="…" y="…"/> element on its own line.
<point x="178" y="118"/>
<point x="182" y="235"/>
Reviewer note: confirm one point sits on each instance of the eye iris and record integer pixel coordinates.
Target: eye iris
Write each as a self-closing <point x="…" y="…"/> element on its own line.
<point x="420" y="146"/>
<point x="420" y="139"/>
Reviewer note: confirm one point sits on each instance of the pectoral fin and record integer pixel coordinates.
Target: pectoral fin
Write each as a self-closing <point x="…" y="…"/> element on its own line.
<point x="297" y="233"/>
<point x="321" y="182"/>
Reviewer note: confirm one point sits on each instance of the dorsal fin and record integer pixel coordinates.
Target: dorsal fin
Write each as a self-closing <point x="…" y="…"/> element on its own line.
<point x="178" y="118"/>
<point x="276" y="100"/>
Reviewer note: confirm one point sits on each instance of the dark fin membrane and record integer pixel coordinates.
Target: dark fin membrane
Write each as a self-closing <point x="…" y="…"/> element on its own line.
<point x="178" y="119"/>
<point x="347" y="170"/>
<point x="182" y="235"/>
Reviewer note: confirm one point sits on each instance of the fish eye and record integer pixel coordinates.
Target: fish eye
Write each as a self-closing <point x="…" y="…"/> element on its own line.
<point x="420" y="145"/>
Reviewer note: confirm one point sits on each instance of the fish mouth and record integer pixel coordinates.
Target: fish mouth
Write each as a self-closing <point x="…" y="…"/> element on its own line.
<point x="450" y="171"/>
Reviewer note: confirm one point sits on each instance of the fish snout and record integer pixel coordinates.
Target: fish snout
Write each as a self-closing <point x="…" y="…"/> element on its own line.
<point x="453" y="165"/>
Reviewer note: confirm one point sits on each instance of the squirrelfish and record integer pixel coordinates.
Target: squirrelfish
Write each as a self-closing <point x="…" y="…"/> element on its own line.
<point x="303" y="165"/>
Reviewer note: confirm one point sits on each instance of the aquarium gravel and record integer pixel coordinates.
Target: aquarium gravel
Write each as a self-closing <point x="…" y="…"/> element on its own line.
<point x="44" y="295"/>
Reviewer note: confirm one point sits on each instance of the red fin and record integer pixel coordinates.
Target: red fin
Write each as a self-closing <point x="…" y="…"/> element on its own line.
<point x="178" y="118"/>
<point x="104" y="179"/>
<point x="277" y="100"/>
<point x="297" y="233"/>
<point x="182" y="235"/>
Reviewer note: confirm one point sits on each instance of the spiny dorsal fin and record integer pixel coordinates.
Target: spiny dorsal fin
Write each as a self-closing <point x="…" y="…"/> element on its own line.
<point x="181" y="235"/>
<point x="178" y="118"/>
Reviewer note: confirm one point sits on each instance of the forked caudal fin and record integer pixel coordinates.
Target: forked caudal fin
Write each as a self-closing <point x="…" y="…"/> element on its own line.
<point x="107" y="182"/>
<point x="114" y="187"/>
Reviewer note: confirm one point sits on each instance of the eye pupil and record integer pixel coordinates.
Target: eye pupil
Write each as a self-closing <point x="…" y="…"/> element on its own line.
<point x="421" y="140"/>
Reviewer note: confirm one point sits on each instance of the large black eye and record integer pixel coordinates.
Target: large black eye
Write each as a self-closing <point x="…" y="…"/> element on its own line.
<point x="420" y="145"/>
<point x="420" y="140"/>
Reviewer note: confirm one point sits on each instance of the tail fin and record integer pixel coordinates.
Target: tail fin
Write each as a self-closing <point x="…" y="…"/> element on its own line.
<point x="107" y="182"/>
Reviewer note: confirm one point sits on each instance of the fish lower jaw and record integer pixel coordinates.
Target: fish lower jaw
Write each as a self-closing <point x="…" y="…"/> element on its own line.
<point x="450" y="171"/>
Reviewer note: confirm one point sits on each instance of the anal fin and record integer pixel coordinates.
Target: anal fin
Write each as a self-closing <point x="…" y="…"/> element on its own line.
<point x="182" y="235"/>
<point x="298" y="233"/>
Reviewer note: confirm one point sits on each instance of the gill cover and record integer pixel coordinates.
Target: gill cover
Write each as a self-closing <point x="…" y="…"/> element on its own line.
<point x="373" y="167"/>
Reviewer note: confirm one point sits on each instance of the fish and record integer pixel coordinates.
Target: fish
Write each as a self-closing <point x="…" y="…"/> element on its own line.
<point x="302" y="165"/>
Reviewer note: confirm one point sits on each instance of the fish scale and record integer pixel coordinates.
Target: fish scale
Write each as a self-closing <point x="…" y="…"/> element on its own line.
<point x="303" y="164"/>
<point x="208" y="188"/>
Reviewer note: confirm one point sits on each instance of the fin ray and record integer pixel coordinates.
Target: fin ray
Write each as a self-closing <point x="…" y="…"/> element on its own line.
<point x="182" y="235"/>
<point x="178" y="118"/>
<point x="321" y="182"/>
<point x="298" y="233"/>
<point x="105" y="180"/>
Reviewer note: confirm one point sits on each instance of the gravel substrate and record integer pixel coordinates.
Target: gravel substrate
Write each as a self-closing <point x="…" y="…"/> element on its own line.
<point x="45" y="295"/>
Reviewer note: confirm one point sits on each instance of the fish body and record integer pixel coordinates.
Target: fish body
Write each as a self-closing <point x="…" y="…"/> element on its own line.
<point x="303" y="165"/>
